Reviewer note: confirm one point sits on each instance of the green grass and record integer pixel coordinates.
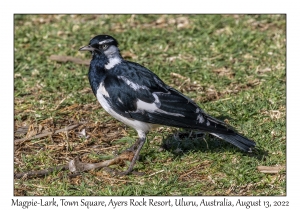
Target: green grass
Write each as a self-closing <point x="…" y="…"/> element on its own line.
<point x="233" y="66"/>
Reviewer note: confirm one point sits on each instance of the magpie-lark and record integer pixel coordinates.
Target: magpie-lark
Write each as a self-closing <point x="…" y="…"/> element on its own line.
<point x="137" y="97"/>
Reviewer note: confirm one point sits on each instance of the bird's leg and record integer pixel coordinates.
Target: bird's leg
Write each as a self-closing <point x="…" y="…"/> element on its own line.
<point x="134" y="146"/>
<point x="141" y="142"/>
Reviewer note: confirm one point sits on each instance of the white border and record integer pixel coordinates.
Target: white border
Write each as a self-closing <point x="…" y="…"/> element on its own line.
<point x="154" y="6"/>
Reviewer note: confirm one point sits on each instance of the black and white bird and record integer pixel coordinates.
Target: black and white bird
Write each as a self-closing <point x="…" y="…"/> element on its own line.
<point x="137" y="97"/>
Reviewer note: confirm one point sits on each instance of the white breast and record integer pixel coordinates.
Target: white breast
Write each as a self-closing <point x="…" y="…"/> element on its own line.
<point x="137" y="125"/>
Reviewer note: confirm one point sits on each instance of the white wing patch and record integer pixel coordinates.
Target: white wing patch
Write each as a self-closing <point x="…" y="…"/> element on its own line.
<point x="143" y="106"/>
<point x="131" y="84"/>
<point x="153" y="107"/>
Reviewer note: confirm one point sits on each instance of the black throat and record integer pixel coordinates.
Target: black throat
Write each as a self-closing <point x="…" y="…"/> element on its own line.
<point x="97" y="71"/>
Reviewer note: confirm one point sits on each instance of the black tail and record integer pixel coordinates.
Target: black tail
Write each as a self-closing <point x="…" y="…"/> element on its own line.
<point x="238" y="140"/>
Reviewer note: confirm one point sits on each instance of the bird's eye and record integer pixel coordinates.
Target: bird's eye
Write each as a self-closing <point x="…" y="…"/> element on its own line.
<point x="104" y="46"/>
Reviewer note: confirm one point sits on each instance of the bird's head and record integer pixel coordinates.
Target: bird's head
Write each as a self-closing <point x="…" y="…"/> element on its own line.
<point x="102" y="44"/>
<point x="105" y="51"/>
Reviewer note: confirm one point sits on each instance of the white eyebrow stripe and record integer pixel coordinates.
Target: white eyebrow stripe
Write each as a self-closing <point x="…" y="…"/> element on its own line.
<point x="106" y="41"/>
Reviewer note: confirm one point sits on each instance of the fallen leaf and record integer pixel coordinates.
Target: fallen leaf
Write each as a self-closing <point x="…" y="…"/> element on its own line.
<point x="261" y="71"/>
<point x="270" y="169"/>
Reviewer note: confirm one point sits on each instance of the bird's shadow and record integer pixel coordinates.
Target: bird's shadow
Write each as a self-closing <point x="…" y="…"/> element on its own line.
<point x="186" y="141"/>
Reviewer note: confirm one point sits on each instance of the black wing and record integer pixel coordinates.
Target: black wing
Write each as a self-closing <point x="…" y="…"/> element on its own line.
<point x="139" y="94"/>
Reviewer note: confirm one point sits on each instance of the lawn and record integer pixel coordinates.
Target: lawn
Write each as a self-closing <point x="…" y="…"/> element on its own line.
<point x="233" y="66"/>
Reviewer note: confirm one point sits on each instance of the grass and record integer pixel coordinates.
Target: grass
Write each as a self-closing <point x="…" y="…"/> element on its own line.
<point x="233" y="66"/>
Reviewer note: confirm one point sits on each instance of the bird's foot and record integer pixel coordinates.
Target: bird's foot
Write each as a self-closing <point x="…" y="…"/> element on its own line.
<point x="132" y="148"/>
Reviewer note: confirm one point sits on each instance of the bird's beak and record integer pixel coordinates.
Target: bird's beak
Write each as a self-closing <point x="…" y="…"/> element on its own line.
<point x="87" y="48"/>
